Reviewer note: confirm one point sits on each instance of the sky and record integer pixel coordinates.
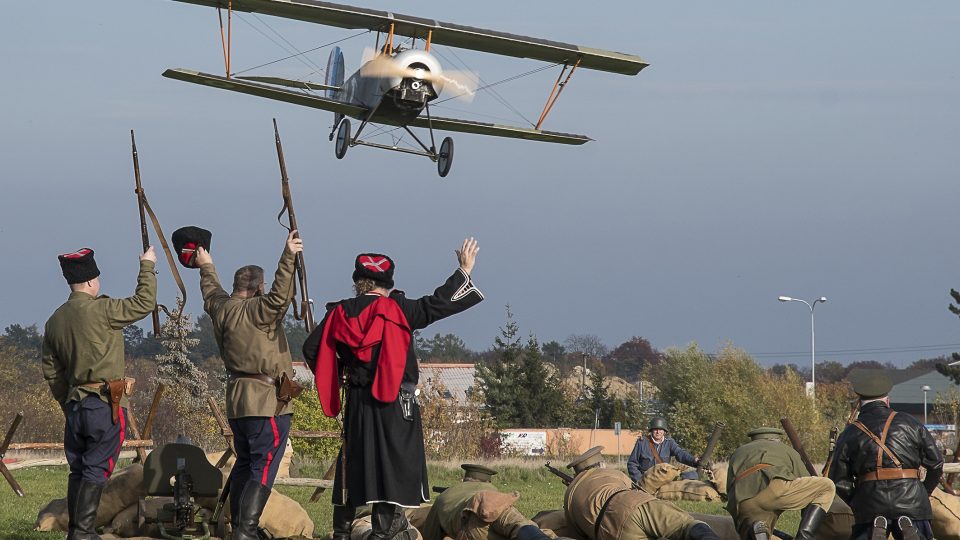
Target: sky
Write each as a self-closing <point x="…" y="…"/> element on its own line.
<point x="771" y="148"/>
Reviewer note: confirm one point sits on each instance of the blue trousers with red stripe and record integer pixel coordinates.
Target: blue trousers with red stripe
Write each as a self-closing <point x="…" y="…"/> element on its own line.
<point x="260" y="442"/>
<point x="91" y="440"/>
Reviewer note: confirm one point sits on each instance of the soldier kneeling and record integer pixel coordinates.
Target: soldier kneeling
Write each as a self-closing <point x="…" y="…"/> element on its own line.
<point x="476" y="510"/>
<point x="603" y="505"/>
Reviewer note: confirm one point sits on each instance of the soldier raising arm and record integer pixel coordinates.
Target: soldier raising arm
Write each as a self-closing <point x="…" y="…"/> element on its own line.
<point x="83" y="362"/>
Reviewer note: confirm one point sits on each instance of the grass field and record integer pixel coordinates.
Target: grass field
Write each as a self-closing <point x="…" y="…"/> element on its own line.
<point x="539" y="490"/>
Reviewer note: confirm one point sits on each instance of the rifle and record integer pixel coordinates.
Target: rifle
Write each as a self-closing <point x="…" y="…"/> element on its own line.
<point x="566" y="478"/>
<point x="834" y="434"/>
<point x="711" y="446"/>
<point x="798" y="446"/>
<point x="144" y="235"/>
<point x="305" y="313"/>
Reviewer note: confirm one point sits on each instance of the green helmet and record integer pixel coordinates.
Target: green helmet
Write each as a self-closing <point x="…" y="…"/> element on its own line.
<point x="658" y="422"/>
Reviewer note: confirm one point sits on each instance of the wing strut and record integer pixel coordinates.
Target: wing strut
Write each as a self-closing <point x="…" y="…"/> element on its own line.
<point x="226" y="41"/>
<point x="552" y="99"/>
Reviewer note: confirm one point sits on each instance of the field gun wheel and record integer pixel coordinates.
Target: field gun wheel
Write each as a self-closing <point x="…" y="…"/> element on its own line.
<point x="343" y="139"/>
<point x="445" y="157"/>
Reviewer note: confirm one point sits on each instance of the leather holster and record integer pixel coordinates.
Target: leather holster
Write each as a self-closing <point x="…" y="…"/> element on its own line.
<point x="115" y="390"/>
<point x="287" y="391"/>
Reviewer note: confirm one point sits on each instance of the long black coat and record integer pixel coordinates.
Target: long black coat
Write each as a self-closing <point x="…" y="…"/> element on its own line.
<point x="385" y="459"/>
<point x="856" y="455"/>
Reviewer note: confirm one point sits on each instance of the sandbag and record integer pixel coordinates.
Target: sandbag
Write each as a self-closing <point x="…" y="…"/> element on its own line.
<point x="687" y="490"/>
<point x="52" y="517"/>
<point x="284" y="517"/>
<point x="556" y="521"/>
<point x="418" y="516"/>
<point x="124" y="488"/>
<point x="838" y="523"/>
<point x="722" y="525"/>
<point x="125" y="524"/>
<point x="946" y="515"/>
<point x="719" y="473"/>
<point x="658" y="475"/>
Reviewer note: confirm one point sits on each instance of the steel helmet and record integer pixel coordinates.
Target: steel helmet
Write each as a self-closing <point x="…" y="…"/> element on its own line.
<point x="658" y="422"/>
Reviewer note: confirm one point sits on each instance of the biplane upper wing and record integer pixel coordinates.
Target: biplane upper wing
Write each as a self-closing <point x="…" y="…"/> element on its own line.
<point x="498" y="130"/>
<point x="308" y="100"/>
<point x="454" y="35"/>
<point x="256" y="89"/>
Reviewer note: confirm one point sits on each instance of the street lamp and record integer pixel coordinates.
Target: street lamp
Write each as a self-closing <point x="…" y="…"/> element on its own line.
<point x="925" y="389"/>
<point x="813" y="341"/>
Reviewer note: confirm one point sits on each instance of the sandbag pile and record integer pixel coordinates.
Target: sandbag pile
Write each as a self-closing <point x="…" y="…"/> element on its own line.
<point x="117" y="514"/>
<point x="687" y="490"/>
<point x="946" y="515"/>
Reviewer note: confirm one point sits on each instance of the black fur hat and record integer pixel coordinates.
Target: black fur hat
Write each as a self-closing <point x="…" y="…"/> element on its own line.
<point x="374" y="266"/>
<point x="79" y="266"/>
<point x="186" y="240"/>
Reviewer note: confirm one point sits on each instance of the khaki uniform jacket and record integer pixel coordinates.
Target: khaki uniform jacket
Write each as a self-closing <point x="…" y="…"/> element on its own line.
<point x="83" y="339"/>
<point x="784" y="463"/>
<point x="588" y="494"/>
<point x="444" y="517"/>
<point x="249" y="333"/>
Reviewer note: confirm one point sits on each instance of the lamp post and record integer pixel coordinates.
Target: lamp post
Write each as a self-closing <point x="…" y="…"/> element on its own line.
<point x="813" y="340"/>
<point x="925" y="389"/>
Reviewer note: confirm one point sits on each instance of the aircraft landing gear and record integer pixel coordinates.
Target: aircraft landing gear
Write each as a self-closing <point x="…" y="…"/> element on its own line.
<point x="445" y="157"/>
<point x="343" y="139"/>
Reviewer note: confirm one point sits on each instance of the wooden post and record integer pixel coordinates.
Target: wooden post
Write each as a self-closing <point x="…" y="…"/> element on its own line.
<point x="224" y="430"/>
<point x="135" y="431"/>
<point x="3" y="450"/>
<point x="152" y="413"/>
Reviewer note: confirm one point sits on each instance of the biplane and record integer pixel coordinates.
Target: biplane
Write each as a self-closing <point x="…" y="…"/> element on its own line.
<point x="396" y="85"/>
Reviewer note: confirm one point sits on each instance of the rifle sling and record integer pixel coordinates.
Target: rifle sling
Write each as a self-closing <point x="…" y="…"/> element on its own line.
<point x="166" y="248"/>
<point x="653" y="450"/>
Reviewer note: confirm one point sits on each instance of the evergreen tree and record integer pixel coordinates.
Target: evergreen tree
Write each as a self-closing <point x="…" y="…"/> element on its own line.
<point x="953" y="372"/>
<point x="174" y="367"/>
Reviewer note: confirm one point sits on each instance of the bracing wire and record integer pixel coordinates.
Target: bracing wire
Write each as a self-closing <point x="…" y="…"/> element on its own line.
<point x="358" y="34"/>
<point x="492" y="91"/>
<point x="319" y="68"/>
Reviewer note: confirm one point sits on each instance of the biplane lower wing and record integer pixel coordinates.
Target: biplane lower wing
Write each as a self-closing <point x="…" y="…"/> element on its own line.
<point x="498" y="130"/>
<point x="245" y="86"/>
<point x="265" y="91"/>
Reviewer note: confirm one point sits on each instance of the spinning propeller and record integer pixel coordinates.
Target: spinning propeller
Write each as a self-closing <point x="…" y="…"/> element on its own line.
<point x="462" y="83"/>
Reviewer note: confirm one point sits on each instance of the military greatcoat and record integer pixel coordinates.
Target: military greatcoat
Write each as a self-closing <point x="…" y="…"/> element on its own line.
<point x="446" y="516"/>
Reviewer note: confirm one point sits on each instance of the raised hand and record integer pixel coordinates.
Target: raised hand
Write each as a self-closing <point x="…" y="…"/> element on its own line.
<point x="467" y="254"/>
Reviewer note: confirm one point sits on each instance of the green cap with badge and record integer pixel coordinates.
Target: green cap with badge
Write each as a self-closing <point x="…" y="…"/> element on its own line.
<point x="870" y="383"/>
<point x="586" y="460"/>
<point x="478" y="473"/>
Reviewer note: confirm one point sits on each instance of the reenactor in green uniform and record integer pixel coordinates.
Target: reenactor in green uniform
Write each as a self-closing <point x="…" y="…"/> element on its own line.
<point x="248" y="326"/>
<point x="83" y="363"/>
<point x="603" y="505"/>
<point x="476" y="510"/>
<point x="765" y="478"/>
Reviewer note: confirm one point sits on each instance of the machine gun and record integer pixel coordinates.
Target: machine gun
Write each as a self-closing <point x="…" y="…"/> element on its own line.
<point x="564" y="477"/>
<point x="193" y="476"/>
<point x="305" y="313"/>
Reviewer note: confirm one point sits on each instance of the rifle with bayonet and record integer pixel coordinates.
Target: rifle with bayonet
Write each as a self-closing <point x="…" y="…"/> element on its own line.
<point x="305" y="312"/>
<point x="798" y="446"/>
<point x="564" y="477"/>
<point x="144" y="235"/>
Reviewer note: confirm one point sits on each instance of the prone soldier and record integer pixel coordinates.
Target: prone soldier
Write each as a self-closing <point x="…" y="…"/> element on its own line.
<point x="765" y="478"/>
<point x="476" y="510"/>
<point x="82" y="362"/>
<point x="876" y="466"/>
<point x="602" y="505"/>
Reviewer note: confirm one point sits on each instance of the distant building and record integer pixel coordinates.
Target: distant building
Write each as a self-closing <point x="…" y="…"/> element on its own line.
<point x="456" y="379"/>
<point x="907" y="394"/>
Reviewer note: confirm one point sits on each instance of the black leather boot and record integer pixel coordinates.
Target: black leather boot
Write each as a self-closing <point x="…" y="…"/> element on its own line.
<point x="84" y="512"/>
<point x="908" y="529"/>
<point x="388" y="520"/>
<point x="73" y="487"/>
<point x="530" y="532"/>
<point x="880" y="528"/>
<point x="250" y="508"/>
<point x="701" y="531"/>
<point x="810" y="518"/>
<point x="343" y="517"/>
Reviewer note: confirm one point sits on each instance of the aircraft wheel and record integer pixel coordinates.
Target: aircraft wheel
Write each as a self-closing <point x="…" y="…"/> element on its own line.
<point x="445" y="157"/>
<point x="343" y="139"/>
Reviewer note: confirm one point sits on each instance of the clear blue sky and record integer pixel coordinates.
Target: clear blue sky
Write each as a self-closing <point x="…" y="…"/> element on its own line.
<point x="770" y="148"/>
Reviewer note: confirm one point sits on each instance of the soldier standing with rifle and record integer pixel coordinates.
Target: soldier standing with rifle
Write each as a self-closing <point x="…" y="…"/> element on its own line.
<point x="876" y="466"/>
<point x="248" y="326"/>
<point x="602" y="505"/>
<point x="83" y="363"/>
<point x="766" y="478"/>
<point x="365" y="342"/>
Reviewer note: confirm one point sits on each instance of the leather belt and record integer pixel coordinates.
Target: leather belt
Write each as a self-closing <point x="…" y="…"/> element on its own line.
<point x="751" y="470"/>
<point x="889" y="473"/>
<point x="258" y="376"/>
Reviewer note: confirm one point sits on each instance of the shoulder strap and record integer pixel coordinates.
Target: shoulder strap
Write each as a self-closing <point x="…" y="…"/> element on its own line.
<point x="653" y="450"/>
<point x="880" y="441"/>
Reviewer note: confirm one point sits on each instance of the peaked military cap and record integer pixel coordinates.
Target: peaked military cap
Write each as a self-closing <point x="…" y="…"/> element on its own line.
<point x="765" y="433"/>
<point x="477" y="472"/>
<point x="186" y="240"/>
<point x="586" y="460"/>
<point x="79" y="266"/>
<point x="870" y="383"/>
<point x="376" y="267"/>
